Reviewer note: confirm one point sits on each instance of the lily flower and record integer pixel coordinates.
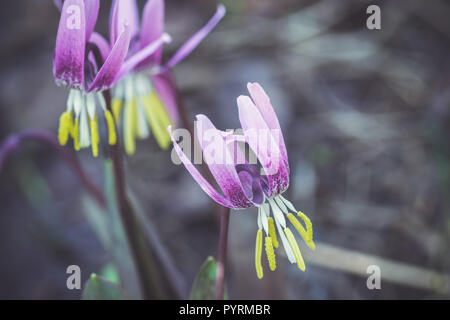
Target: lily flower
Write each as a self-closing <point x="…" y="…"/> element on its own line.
<point x="146" y="96"/>
<point x="243" y="185"/>
<point x="87" y="64"/>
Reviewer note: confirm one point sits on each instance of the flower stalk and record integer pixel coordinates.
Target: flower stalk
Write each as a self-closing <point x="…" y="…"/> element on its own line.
<point x="222" y="252"/>
<point x="150" y="280"/>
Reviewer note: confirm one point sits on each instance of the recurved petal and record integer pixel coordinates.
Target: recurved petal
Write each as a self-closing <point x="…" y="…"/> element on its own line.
<point x="164" y="85"/>
<point x="123" y="12"/>
<point x="141" y="55"/>
<point x="195" y="40"/>
<point x="68" y="61"/>
<point x="217" y="155"/>
<point x="205" y="185"/>
<point x="264" y="144"/>
<point x="91" y="8"/>
<point x="152" y="28"/>
<point x="101" y="44"/>
<point x="110" y="68"/>
<point x="262" y="102"/>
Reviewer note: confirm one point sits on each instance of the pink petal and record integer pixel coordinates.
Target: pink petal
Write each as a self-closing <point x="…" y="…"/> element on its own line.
<point x="152" y="28"/>
<point x="262" y="141"/>
<point x="68" y="61"/>
<point x="108" y="72"/>
<point x="165" y="87"/>
<point x="220" y="161"/>
<point x="101" y="44"/>
<point x="262" y="102"/>
<point x="141" y="55"/>
<point x="197" y="38"/>
<point x="123" y="12"/>
<point x="91" y="8"/>
<point x="205" y="185"/>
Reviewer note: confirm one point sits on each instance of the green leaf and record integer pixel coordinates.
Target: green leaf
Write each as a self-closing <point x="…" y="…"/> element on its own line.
<point x="98" y="288"/>
<point x="205" y="282"/>
<point x="107" y="225"/>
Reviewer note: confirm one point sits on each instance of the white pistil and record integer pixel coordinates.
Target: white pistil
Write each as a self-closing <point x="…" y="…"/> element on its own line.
<point x="129" y="90"/>
<point x="259" y="219"/>
<point x="281" y="204"/>
<point x="285" y="242"/>
<point x="280" y="222"/>
<point x="278" y="215"/>
<point x="85" y="140"/>
<point x="142" y="125"/>
<point x="264" y="221"/>
<point x="77" y="102"/>
<point x="266" y="209"/>
<point x="90" y="105"/>
<point x="70" y="100"/>
<point x="119" y="90"/>
<point x="102" y="101"/>
<point x="288" y="203"/>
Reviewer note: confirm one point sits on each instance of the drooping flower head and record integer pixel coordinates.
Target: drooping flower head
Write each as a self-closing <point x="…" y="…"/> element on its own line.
<point x="87" y="64"/>
<point x="146" y="95"/>
<point x="243" y="184"/>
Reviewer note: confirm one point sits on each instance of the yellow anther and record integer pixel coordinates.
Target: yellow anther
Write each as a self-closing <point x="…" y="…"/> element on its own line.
<point x="116" y="106"/>
<point x="95" y="138"/>
<point x="258" y="254"/>
<point x="76" y="135"/>
<point x="270" y="253"/>
<point x="64" y="128"/>
<point x="296" y="250"/>
<point x="272" y="232"/>
<point x="112" y="136"/>
<point x="70" y="123"/>
<point x="158" y="118"/>
<point x="129" y="127"/>
<point x="307" y="234"/>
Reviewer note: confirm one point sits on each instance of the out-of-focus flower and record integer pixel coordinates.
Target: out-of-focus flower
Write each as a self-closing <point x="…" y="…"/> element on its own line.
<point x="241" y="182"/>
<point x="87" y="64"/>
<point x="146" y="95"/>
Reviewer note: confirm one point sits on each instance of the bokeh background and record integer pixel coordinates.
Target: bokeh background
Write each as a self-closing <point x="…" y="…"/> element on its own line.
<point x="365" y="115"/>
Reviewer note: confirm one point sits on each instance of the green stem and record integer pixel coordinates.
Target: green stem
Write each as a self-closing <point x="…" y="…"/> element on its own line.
<point x="150" y="279"/>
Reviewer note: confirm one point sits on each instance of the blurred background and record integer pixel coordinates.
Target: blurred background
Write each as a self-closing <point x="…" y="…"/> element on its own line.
<point x="365" y="115"/>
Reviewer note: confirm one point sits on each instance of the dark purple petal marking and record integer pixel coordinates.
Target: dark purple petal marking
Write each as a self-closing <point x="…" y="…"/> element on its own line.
<point x="251" y="182"/>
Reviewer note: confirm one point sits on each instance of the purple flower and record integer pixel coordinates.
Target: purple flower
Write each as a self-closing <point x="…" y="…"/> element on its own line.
<point x="146" y="95"/>
<point x="87" y="64"/>
<point x="242" y="184"/>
